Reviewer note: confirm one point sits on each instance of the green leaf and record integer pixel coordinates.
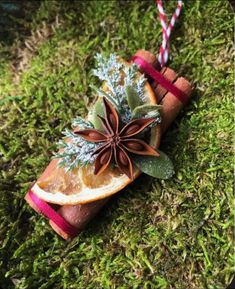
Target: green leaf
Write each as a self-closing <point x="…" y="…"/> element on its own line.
<point x="104" y="94"/>
<point x="158" y="167"/>
<point x="98" y="109"/>
<point x="133" y="98"/>
<point x="151" y="110"/>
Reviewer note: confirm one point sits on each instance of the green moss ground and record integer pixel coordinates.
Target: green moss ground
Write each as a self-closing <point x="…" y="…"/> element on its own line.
<point x="155" y="234"/>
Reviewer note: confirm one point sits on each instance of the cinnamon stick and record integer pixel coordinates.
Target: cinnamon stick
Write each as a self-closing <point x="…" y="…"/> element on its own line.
<point x="170" y="75"/>
<point x="80" y="215"/>
<point x="171" y="105"/>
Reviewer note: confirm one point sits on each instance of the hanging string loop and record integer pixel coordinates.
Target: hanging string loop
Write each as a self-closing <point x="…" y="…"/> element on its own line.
<point x="166" y="30"/>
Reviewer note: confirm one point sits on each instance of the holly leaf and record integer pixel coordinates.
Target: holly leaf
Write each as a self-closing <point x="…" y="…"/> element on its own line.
<point x="133" y="98"/>
<point x="149" y="110"/>
<point x="158" y="167"/>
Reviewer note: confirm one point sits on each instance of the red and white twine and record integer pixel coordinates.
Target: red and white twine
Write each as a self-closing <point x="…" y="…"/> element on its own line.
<point x="166" y="30"/>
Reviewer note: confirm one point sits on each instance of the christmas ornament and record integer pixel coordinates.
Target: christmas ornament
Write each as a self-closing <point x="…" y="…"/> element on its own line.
<point x="118" y="140"/>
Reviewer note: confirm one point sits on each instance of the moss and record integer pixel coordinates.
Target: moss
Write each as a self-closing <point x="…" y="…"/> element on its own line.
<point x="163" y="234"/>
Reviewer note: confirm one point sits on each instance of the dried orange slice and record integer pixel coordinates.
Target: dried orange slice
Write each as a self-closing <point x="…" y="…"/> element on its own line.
<point x="80" y="186"/>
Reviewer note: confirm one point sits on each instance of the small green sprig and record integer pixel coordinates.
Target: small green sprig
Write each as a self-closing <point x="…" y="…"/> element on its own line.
<point x="111" y="70"/>
<point x="76" y="152"/>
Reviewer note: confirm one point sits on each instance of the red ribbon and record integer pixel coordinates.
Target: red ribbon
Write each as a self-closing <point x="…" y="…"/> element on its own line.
<point x="157" y="76"/>
<point x="51" y="214"/>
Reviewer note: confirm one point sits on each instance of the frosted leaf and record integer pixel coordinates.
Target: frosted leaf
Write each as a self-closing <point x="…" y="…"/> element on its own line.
<point x="158" y="167"/>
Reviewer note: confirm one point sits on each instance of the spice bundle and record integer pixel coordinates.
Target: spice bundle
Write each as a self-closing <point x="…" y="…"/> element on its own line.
<point x="118" y="141"/>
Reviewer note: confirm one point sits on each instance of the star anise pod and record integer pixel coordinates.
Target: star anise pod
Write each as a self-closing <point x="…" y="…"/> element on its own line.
<point x="117" y="142"/>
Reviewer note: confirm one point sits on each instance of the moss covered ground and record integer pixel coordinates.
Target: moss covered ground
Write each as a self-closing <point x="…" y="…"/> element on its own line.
<point x="154" y="234"/>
